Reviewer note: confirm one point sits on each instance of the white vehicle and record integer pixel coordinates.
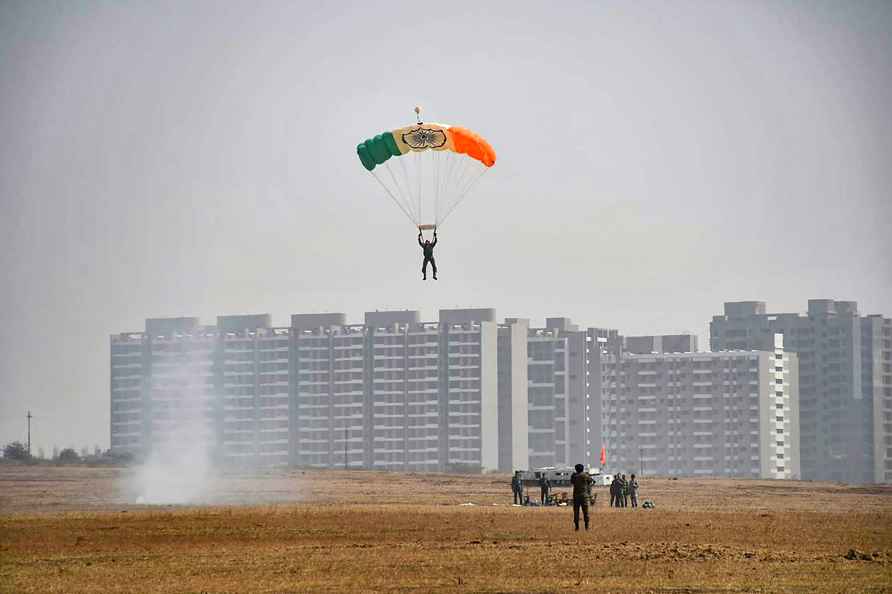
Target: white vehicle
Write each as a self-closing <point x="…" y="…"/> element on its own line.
<point x="558" y="476"/>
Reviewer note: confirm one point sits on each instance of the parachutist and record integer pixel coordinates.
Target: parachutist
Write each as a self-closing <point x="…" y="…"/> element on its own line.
<point x="428" y="249"/>
<point x="447" y="161"/>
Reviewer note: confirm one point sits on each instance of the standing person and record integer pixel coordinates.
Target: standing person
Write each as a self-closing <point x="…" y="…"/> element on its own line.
<point x="582" y="484"/>
<point x="544" y="487"/>
<point x="428" y="249"/>
<point x="612" y="491"/>
<point x="633" y="490"/>
<point x="625" y="491"/>
<point x="517" y="488"/>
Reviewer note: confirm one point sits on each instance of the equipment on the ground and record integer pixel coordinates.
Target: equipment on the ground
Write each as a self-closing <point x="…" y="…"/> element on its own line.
<point x="557" y="476"/>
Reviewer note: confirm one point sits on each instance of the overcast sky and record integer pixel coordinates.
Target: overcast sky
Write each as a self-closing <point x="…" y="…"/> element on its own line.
<point x="655" y="159"/>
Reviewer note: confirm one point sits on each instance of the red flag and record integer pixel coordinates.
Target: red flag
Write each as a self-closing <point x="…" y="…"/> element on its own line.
<point x="603" y="456"/>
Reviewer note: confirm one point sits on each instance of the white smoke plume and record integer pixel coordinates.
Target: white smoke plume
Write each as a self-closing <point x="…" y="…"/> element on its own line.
<point x="178" y="468"/>
<point x="178" y="471"/>
<point x="183" y="454"/>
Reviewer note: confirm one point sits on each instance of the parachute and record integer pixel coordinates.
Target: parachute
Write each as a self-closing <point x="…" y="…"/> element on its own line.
<point x="427" y="169"/>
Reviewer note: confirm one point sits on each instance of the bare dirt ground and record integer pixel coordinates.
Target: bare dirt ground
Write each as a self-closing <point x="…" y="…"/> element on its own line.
<point x="77" y="529"/>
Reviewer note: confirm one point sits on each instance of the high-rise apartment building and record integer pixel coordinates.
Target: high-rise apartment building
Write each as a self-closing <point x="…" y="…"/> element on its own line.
<point x="664" y="343"/>
<point x="328" y="377"/>
<point x="547" y="397"/>
<point x="464" y="393"/>
<point x="731" y="414"/>
<point x="395" y="392"/>
<point x="252" y="376"/>
<point x="876" y="384"/>
<point x="222" y="389"/>
<point x="513" y="404"/>
<point x="845" y="382"/>
<point x="564" y="391"/>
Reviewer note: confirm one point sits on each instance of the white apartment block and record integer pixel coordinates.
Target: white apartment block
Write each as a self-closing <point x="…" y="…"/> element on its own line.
<point x="183" y="387"/>
<point x="463" y="393"/>
<point x="876" y="371"/>
<point x="845" y="363"/>
<point x="127" y="370"/>
<point x="558" y="369"/>
<point x="396" y="393"/>
<point x="179" y="390"/>
<point x="728" y="413"/>
<point x="547" y="398"/>
<point x="255" y="402"/>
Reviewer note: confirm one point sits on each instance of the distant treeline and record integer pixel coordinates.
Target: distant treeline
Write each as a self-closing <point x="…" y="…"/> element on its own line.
<point x="17" y="453"/>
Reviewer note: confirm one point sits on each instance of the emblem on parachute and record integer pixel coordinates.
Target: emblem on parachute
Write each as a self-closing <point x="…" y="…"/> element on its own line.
<point x="422" y="138"/>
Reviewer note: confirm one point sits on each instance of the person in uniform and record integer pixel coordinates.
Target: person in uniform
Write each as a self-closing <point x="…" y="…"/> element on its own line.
<point x="633" y="490"/>
<point x="613" y="485"/>
<point x="428" y="247"/>
<point x="544" y="487"/>
<point x="582" y="484"/>
<point x="517" y="488"/>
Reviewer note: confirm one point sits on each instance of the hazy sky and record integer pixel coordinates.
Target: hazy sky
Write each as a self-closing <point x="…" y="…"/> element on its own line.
<point x="198" y="158"/>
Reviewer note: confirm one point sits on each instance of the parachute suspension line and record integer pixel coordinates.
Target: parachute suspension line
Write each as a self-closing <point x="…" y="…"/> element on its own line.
<point x="445" y="158"/>
<point x="436" y="156"/>
<point x="458" y="171"/>
<point x="427" y="188"/>
<point x="419" y="169"/>
<point x="389" y="193"/>
<point x="432" y="185"/>
<point x="472" y="182"/>
<point x="443" y="163"/>
<point x="410" y="201"/>
<point x="469" y="187"/>
<point x="405" y="202"/>
<point x="460" y="178"/>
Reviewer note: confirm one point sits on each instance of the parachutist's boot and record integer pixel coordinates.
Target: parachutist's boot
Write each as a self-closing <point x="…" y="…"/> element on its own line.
<point x="435" y="277"/>
<point x="586" y="525"/>
<point x="577" y="525"/>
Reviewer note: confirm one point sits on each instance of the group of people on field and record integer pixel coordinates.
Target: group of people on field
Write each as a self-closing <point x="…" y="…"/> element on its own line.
<point x="624" y="491"/>
<point x="521" y="499"/>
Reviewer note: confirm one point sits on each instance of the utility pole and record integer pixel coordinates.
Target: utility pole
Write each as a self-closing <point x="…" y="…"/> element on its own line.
<point x="641" y="458"/>
<point x="29" y="433"/>
<point x="345" y="447"/>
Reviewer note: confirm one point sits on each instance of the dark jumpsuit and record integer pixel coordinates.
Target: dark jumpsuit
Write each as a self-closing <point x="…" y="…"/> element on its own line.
<point x="581" y="482"/>
<point x="428" y="256"/>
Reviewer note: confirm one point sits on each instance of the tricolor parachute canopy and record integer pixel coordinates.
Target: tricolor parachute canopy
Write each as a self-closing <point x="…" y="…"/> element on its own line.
<point x="422" y="137"/>
<point x="442" y="165"/>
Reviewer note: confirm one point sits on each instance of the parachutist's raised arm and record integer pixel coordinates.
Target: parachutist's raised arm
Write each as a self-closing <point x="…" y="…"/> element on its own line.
<point x="419" y="239"/>
<point x="435" y="239"/>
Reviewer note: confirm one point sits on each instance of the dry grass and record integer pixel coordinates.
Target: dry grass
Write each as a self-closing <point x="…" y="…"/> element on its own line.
<point x="364" y="531"/>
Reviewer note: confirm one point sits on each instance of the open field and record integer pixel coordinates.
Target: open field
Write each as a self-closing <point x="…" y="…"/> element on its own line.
<point x="76" y="530"/>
